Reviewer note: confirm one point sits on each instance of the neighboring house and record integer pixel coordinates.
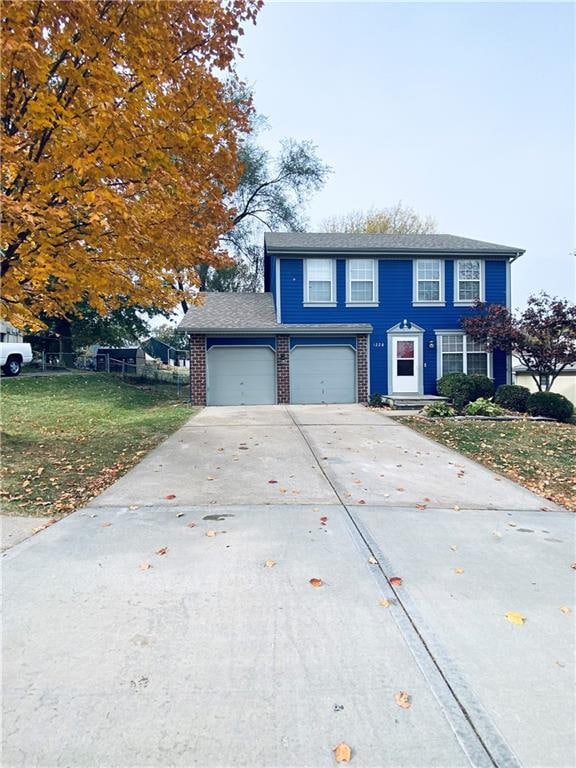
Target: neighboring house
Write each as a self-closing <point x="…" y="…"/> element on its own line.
<point x="565" y="383"/>
<point x="120" y="359"/>
<point x="9" y="334"/>
<point x="167" y="354"/>
<point x="347" y="315"/>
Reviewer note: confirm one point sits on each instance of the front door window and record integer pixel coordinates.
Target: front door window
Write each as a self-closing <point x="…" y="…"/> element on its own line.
<point x="405" y="364"/>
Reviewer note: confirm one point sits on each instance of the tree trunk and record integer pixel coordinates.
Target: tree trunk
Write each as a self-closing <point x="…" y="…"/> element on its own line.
<point x="63" y="329"/>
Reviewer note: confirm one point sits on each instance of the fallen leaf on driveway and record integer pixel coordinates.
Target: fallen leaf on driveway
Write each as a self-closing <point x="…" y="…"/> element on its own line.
<point x="145" y="566"/>
<point x="372" y="560"/>
<point x="162" y="551"/>
<point x="384" y="602"/>
<point x="396" y="581"/>
<point x="400" y="489"/>
<point x="427" y="499"/>
<point x="272" y="481"/>
<point x="565" y="609"/>
<point x="211" y="533"/>
<point x="454" y="548"/>
<point x="191" y="525"/>
<point x="420" y="506"/>
<point x="342" y="753"/>
<point x="323" y="520"/>
<point x="458" y="570"/>
<point x="43" y="526"/>
<point x="170" y="496"/>
<point x="361" y="501"/>
<point x="497" y="534"/>
<point x="316" y="582"/>
<point x="573" y="566"/>
<point x="105" y="525"/>
<point x="515" y="618"/>
<point x="210" y="478"/>
<point x="269" y="563"/>
<point x="179" y="514"/>
<point x="132" y="507"/>
<point x="456" y="508"/>
<point x="402" y="699"/>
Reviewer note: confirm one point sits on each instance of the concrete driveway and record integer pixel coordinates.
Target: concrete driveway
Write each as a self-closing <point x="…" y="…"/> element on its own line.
<point x="146" y="629"/>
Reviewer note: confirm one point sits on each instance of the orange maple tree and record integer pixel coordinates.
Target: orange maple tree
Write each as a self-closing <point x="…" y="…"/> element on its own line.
<point x="120" y="121"/>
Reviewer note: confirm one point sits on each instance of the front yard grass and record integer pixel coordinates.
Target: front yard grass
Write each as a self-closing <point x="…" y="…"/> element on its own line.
<point x="539" y="455"/>
<point x="66" y="438"/>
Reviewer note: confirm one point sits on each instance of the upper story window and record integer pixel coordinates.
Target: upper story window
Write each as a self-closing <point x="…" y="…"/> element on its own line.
<point x="469" y="281"/>
<point x="319" y="281"/>
<point x="429" y="281"/>
<point x="362" y="281"/>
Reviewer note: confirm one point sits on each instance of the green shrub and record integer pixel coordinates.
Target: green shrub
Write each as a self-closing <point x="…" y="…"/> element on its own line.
<point x="483" y="386"/>
<point x="513" y="397"/>
<point x="376" y="400"/>
<point x="440" y="408"/>
<point x="483" y="407"/>
<point x="457" y="387"/>
<point x="550" y="404"/>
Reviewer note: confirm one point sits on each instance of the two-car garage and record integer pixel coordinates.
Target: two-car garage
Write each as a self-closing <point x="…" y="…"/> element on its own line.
<point x="245" y="374"/>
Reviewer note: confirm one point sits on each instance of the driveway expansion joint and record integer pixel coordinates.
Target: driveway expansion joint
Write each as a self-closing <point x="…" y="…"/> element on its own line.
<point x="481" y="741"/>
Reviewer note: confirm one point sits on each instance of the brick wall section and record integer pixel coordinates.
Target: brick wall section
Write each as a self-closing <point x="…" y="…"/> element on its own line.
<point x="362" y="367"/>
<point x="197" y="369"/>
<point x="283" y="369"/>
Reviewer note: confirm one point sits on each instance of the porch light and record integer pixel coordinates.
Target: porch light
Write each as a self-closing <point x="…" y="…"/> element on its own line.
<point x="431" y="344"/>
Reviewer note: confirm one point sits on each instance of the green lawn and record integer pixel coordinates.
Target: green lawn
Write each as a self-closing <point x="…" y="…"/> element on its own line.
<point x="66" y="438"/>
<point x="538" y="455"/>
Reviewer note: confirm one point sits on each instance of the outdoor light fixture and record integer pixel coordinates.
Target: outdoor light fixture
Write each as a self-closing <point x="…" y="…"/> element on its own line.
<point x="431" y="344"/>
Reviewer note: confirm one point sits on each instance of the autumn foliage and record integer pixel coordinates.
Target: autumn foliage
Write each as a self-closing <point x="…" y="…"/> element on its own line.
<point x="120" y="124"/>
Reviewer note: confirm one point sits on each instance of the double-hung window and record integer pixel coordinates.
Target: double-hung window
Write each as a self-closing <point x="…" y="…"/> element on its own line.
<point x="460" y="354"/>
<point x="362" y="287"/>
<point x="469" y="282"/>
<point x="319" y="281"/>
<point x="428" y="281"/>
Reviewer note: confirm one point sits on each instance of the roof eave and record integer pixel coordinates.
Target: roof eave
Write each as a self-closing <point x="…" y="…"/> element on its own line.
<point x="301" y="251"/>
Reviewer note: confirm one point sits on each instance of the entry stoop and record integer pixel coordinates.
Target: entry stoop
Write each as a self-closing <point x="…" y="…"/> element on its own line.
<point x="411" y="402"/>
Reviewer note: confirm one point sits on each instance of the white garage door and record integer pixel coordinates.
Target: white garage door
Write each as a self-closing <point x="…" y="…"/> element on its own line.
<point x="323" y="374"/>
<point x="241" y="376"/>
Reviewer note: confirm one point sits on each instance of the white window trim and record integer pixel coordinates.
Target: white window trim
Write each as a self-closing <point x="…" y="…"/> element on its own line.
<point x="375" y="273"/>
<point x="439" y="351"/>
<point x="441" y="301"/>
<point x="332" y="302"/>
<point x="462" y="303"/>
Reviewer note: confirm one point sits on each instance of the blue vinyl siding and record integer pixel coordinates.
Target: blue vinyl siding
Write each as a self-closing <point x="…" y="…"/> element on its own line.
<point x="241" y="341"/>
<point x="395" y="305"/>
<point x="315" y="340"/>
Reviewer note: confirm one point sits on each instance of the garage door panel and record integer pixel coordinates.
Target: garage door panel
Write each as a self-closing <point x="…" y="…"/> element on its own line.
<point x="323" y="374"/>
<point x="241" y="376"/>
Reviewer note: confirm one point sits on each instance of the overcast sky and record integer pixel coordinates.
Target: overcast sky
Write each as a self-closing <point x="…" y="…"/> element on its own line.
<point x="464" y="111"/>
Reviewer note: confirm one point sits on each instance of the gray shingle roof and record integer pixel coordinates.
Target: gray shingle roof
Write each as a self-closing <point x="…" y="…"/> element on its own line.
<point x="338" y="241"/>
<point x="251" y="312"/>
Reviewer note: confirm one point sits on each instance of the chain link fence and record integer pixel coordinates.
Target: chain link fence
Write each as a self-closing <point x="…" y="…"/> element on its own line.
<point x="173" y="380"/>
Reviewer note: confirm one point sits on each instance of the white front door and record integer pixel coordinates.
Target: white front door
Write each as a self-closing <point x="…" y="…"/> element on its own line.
<point x="405" y="364"/>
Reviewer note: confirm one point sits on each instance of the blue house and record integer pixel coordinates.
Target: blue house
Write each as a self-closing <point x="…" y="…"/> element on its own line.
<point x="344" y="316"/>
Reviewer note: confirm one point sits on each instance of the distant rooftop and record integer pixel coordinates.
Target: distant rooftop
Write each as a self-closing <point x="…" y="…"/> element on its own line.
<point x="384" y="243"/>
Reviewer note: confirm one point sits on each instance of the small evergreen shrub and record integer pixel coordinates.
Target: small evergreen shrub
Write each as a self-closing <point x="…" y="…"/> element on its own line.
<point x="483" y="407"/>
<point x="439" y="409"/>
<point x="483" y="386"/>
<point x="376" y="400"/>
<point x="457" y="387"/>
<point x="512" y="397"/>
<point x="550" y="404"/>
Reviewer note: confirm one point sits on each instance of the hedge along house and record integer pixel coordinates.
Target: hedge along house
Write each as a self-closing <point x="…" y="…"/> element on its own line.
<point x="346" y="315"/>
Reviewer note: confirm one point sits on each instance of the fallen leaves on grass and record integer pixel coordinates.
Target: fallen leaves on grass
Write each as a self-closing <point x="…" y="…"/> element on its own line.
<point x="515" y="618"/>
<point x="316" y="582"/>
<point x="403" y="699"/>
<point x="342" y="753"/>
<point x="396" y="581"/>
